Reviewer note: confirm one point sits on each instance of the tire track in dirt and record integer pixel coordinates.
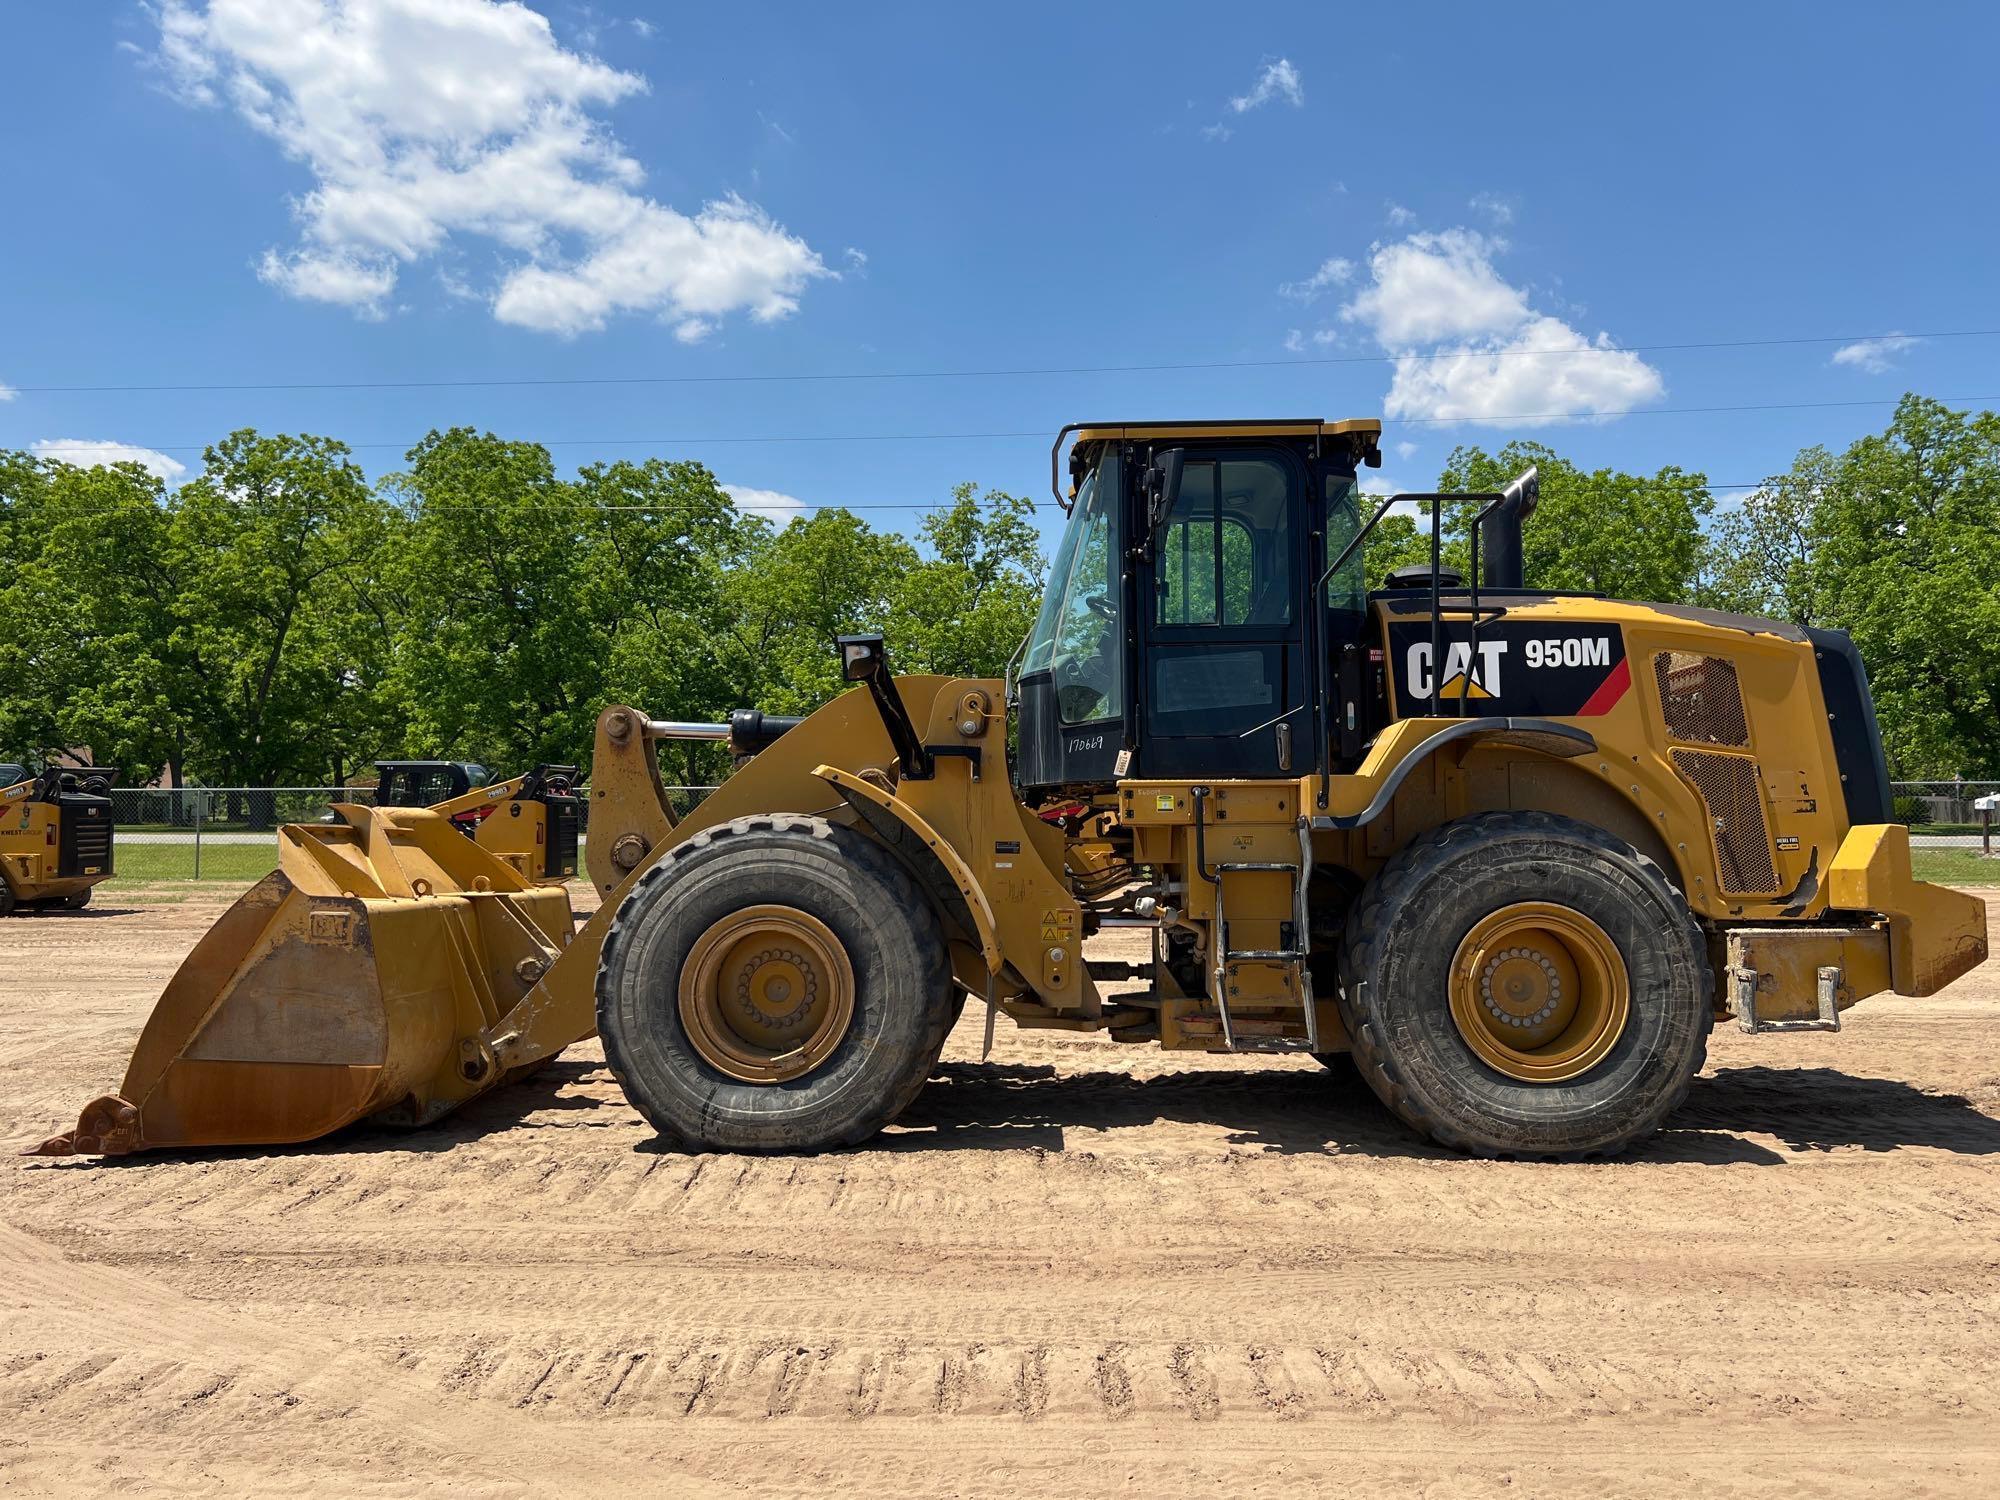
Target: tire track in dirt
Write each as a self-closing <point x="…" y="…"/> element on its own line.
<point x="276" y="1367"/>
<point x="1078" y="1269"/>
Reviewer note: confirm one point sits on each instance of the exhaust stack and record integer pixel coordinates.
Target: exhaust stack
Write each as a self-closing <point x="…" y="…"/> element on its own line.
<point x="1500" y="532"/>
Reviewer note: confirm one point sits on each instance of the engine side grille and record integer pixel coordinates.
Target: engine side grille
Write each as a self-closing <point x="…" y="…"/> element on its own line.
<point x="85" y="847"/>
<point x="561" y="854"/>
<point x="1728" y="788"/>
<point x="1701" y="699"/>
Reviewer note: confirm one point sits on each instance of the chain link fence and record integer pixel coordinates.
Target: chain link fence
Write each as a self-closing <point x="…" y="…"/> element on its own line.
<point x="230" y="833"/>
<point x="1953" y="840"/>
<point x="1944" y="805"/>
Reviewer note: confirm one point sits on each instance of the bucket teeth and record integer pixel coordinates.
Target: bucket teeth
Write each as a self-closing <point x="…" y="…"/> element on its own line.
<point x="109" y="1126"/>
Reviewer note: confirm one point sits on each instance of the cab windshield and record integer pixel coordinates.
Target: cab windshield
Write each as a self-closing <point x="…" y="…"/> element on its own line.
<point x="1078" y="635"/>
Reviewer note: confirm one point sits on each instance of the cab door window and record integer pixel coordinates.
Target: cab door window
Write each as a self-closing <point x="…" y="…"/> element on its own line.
<point x="1222" y="657"/>
<point x="1225" y="553"/>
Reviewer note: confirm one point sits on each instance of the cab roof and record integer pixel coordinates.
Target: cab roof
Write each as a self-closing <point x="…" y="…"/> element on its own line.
<point x="1094" y="432"/>
<point x="1361" y="434"/>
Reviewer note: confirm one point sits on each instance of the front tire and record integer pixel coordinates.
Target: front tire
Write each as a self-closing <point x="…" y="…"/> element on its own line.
<point x="1519" y="984"/>
<point x="774" y="983"/>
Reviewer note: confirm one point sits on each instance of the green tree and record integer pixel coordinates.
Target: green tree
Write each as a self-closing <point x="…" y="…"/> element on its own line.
<point x="965" y="605"/>
<point x="1763" y="553"/>
<point x="91" y="650"/>
<point x="1906" y="528"/>
<point x="501" y="650"/>
<point x="1628" y="536"/>
<point x="823" y="575"/>
<point x="273" y="543"/>
<point x="662" y="539"/>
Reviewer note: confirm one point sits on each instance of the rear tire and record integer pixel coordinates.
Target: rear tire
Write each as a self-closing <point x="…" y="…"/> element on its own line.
<point x="868" y="933"/>
<point x="76" y="902"/>
<point x="1416" y="987"/>
<point x="7" y="902"/>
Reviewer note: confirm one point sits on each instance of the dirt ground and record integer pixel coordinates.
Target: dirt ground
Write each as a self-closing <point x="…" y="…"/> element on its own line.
<point x="1077" y="1269"/>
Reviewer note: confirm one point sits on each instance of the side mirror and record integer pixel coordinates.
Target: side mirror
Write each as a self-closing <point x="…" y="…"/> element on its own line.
<point x="1163" y="487"/>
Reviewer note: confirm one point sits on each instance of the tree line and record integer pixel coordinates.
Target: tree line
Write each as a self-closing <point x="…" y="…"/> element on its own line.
<point x="281" y="618"/>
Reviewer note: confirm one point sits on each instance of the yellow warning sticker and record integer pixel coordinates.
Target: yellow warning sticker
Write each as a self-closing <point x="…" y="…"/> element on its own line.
<point x="1164" y="802"/>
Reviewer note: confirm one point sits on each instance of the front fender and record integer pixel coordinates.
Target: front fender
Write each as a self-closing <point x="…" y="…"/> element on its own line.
<point x="938" y="867"/>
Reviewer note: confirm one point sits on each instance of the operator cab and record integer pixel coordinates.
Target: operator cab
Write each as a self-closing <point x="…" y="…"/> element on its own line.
<point x="425" y="783"/>
<point x="1178" y="635"/>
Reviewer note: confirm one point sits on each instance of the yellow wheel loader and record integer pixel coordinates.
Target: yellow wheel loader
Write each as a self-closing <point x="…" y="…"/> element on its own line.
<point x="1515" y="850"/>
<point x="56" y="834"/>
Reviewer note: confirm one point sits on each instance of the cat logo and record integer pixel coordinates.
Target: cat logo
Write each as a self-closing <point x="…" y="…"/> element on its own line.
<point x="1482" y="681"/>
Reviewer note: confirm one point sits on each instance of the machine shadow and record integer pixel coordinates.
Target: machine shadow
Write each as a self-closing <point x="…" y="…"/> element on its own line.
<point x="1005" y="1106"/>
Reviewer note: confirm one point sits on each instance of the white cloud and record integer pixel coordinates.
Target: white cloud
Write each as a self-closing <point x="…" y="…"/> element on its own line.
<point x="1322" y="338"/>
<point x="1278" y="80"/>
<point x="1397" y="216"/>
<point x="338" y="277"/>
<point x="857" y="260"/>
<point x="1518" y="376"/>
<point x="426" y="121"/>
<point x="1493" y="206"/>
<point x="1874" y="355"/>
<point x="644" y="27"/>
<point x="7" y="392"/>
<point x="1216" y="132"/>
<point x="778" y="506"/>
<point x="1334" y="271"/>
<point x="1406" y="449"/>
<point x="1436" y="286"/>
<point x="1490" y="355"/>
<point x="88" y="453"/>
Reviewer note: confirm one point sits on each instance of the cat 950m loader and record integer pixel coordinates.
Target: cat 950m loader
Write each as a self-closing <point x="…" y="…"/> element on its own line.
<point x="1515" y="850"/>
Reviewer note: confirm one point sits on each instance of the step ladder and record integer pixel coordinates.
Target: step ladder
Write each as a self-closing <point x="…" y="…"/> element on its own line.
<point x="1293" y="958"/>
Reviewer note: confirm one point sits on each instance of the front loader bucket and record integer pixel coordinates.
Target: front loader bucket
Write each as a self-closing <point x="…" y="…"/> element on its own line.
<point x="370" y="974"/>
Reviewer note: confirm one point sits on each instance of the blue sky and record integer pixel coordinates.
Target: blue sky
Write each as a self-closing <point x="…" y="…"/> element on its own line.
<point x="246" y="192"/>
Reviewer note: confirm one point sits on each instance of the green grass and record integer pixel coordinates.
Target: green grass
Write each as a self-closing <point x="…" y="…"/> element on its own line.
<point x="141" y="865"/>
<point x="1954" y="867"/>
<point x="145" y="864"/>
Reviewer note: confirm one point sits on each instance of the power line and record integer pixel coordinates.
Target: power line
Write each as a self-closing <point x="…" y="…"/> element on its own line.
<point x="1029" y="372"/>
<point x="777" y="512"/>
<point x="1043" y="433"/>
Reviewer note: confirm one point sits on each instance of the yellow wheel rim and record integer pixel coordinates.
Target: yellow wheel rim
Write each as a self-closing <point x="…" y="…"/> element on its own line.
<point x="1539" y="992"/>
<point x="766" y="994"/>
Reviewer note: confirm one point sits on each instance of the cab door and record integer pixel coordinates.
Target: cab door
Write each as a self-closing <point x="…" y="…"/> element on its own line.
<point x="1223" y="680"/>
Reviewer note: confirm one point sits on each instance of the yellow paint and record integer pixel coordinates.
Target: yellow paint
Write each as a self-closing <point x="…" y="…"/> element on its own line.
<point x="1935" y="934"/>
